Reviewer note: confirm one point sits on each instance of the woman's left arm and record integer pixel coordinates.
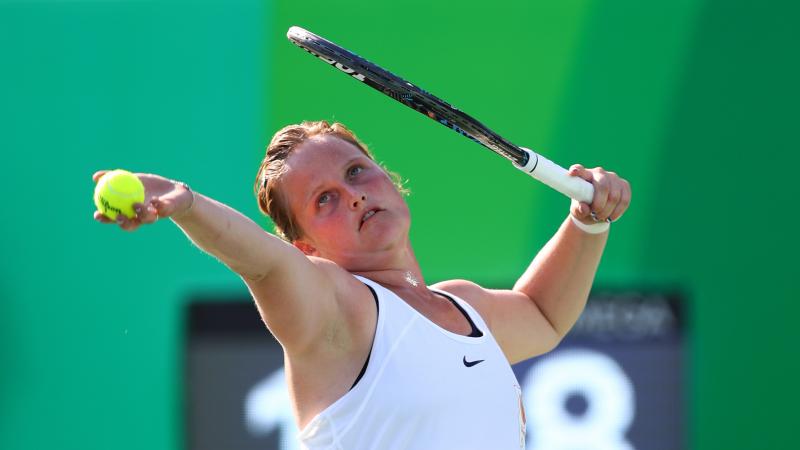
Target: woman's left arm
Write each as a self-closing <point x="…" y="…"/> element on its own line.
<point x="545" y="303"/>
<point x="560" y="277"/>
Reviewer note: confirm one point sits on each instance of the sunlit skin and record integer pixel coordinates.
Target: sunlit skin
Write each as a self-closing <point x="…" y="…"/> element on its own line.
<point x="324" y="317"/>
<point x="330" y="185"/>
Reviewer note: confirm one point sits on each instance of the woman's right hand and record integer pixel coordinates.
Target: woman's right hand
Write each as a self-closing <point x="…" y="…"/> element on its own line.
<point x="163" y="198"/>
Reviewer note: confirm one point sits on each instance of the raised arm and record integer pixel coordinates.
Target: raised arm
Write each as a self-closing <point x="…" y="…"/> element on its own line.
<point x="546" y="301"/>
<point x="294" y="294"/>
<point x="560" y="277"/>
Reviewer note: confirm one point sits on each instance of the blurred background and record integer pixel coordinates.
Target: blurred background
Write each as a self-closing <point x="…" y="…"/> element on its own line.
<point x="125" y="340"/>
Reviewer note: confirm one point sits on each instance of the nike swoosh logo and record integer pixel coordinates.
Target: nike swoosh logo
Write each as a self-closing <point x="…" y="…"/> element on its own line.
<point x="472" y="363"/>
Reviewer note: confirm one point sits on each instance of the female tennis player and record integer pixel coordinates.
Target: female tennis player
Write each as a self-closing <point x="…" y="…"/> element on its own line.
<point x="375" y="358"/>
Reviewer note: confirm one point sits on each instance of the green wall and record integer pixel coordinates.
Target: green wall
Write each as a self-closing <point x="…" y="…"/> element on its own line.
<point x="694" y="102"/>
<point x="91" y="335"/>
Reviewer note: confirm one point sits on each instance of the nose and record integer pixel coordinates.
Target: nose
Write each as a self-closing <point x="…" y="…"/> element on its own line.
<point x="357" y="199"/>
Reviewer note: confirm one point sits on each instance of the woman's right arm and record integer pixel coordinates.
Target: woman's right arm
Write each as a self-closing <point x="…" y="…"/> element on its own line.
<point x="234" y="239"/>
<point x="295" y="295"/>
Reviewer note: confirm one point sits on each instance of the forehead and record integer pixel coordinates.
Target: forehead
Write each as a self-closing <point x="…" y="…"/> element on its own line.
<point x="319" y="152"/>
<point x="315" y="161"/>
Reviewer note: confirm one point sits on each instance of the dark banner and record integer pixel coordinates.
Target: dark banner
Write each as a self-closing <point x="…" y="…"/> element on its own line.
<point x="615" y="383"/>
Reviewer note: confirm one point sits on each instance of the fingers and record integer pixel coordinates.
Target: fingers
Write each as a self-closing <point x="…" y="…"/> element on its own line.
<point x="577" y="170"/>
<point x="617" y="197"/>
<point x="608" y="194"/>
<point x="98" y="216"/>
<point x="612" y="194"/>
<point x="622" y="205"/>
<point x="581" y="211"/>
<point x="145" y="213"/>
<point x="167" y="205"/>
<point x="601" y="187"/>
<point x="157" y="208"/>
<point x="128" y="224"/>
<point x="123" y="222"/>
<point x="98" y="174"/>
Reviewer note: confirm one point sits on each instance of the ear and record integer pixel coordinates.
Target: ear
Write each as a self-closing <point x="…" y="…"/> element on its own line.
<point x="305" y="247"/>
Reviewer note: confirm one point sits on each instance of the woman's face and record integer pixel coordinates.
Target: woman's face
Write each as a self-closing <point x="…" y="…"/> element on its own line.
<point x="345" y="204"/>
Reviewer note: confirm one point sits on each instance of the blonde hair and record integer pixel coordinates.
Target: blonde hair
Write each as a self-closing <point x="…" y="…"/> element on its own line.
<point x="271" y="201"/>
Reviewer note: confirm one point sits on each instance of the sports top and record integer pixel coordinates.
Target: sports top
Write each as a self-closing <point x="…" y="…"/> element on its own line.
<point x="424" y="388"/>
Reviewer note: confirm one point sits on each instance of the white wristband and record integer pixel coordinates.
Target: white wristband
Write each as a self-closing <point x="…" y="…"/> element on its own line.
<point x="595" y="228"/>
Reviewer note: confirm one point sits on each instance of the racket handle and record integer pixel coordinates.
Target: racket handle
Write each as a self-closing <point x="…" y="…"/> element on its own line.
<point x="557" y="177"/>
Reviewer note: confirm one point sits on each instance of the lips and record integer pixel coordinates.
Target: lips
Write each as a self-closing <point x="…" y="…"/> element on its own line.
<point x="368" y="215"/>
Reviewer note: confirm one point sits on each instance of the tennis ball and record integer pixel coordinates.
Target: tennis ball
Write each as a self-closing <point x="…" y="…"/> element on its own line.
<point x="116" y="192"/>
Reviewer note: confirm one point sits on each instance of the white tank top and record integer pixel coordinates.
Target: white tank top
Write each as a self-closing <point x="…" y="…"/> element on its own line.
<point x="424" y="388"/>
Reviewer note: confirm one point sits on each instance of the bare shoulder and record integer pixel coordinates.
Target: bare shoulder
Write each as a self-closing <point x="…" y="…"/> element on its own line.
<point x="332" y="270"/>
<point x="308" y="302"/>
<point x="346" y="285"/>
<point x="459" y="287"/>
<point x="516" y="322"/>
<point x="471" y="292"/>
<point x="353" y="298"/>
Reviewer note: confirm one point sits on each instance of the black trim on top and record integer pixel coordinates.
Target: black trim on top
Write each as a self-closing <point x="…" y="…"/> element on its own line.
<point x="377" y="312"/>
<point x="475" y="331"/>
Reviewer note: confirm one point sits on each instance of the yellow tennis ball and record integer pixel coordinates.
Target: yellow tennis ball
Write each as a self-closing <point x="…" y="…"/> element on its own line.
<point x="116" y="192"/>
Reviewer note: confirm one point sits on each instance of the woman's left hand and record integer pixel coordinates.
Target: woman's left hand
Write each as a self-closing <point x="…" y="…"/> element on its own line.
<point x="612" y="195"/>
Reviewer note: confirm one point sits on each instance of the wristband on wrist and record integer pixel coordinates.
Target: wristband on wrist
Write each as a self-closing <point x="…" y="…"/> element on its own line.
<point x="595" y="228"/>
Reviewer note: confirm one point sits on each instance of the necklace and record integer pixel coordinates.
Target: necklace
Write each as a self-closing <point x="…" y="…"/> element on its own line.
<point x="411" y="279"/>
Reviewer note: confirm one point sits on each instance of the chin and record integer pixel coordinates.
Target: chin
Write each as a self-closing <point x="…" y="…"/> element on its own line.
<point x="386" y="235"/>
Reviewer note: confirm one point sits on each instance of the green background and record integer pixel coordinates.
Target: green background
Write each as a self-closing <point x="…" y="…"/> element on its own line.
<point x="694" y="102"/>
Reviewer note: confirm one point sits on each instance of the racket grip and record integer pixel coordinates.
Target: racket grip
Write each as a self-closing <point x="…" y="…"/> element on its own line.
<point x="557" y="177"/>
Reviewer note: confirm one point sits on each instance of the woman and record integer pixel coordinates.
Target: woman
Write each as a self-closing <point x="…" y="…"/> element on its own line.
<point x="375" y="358"/>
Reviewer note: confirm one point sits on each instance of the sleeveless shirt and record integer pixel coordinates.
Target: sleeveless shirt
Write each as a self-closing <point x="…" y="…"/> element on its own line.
<point x="424" y="388"/>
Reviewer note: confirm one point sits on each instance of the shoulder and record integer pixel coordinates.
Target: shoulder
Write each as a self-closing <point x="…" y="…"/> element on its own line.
<point x="353" y="297"/>
<point x="470" y="292"/>
<point x="345" y="283"/>
<point x="517" y="323"/>
<point x="459" y="287"/>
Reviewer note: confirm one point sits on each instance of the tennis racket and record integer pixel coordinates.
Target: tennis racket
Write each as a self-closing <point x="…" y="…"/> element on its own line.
<point x="416" y="98"/>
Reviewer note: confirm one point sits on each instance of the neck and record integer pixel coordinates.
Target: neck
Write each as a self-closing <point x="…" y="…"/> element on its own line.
<point x="400" y="272"/>
<point x="396" y="278"/>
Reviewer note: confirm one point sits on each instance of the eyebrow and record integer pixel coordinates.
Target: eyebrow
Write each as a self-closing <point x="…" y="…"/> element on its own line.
<point x="317" y="188"/>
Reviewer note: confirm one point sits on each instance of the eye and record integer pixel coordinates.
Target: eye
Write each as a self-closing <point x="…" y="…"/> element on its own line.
<point x="353" y="171"/>
<point x="323" y="199"/>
